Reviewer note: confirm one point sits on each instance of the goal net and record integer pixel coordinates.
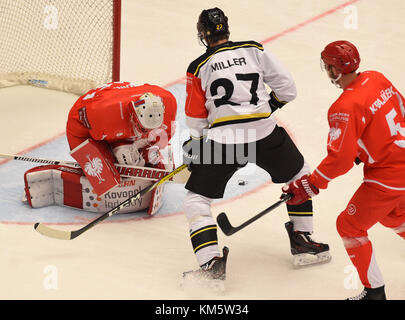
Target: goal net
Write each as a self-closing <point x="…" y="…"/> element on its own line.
<point x="68" y="45"/>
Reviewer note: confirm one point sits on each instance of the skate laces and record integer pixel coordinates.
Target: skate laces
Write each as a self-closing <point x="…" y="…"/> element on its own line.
<point x="359" y="296"/>
<point x="305" y="235"/>
<point x="208" y="265"/>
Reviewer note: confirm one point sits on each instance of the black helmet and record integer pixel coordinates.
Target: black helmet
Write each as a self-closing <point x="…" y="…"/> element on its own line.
<point x="213" y="25"/>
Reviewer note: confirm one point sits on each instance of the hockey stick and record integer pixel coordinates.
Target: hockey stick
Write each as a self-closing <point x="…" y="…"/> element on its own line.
<point x="69" y="235"/>
<point x="228" y="229"/>
<point x="126" y="171"/>
<point x="38" y="160"/>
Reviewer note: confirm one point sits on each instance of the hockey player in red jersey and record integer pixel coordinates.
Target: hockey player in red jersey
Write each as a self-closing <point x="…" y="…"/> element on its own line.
<point x="115" y="122"/>
<point x="367" y="126"/>
<point x="129" y="118"/>
<point x="230" y="116"/>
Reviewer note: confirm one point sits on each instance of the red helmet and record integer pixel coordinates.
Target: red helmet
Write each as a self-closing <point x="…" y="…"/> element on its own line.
<point x="343" y="55"/>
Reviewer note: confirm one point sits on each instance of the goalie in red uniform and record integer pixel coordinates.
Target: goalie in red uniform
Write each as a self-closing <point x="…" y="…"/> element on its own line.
<point x="116" y="122"/>
<point x="131" y="119"/>
<point x="367" y="126"/>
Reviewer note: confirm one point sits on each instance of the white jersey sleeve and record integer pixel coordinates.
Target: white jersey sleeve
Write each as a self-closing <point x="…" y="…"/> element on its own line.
<point x="277" y="77"/>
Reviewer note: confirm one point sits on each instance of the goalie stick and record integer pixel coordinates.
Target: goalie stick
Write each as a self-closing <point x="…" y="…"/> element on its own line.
<point x="38" y="160"/>
<point x="69" y="235"/>
<point x="126" y="171"/>
<point x="228" y="229"/>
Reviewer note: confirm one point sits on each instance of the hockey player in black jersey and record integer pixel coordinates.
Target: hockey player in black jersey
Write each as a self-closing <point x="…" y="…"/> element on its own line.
<point x="229" y="113"/>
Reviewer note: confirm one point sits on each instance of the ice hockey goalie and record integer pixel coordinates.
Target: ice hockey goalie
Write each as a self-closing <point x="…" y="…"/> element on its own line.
<point x="117" y="122"/>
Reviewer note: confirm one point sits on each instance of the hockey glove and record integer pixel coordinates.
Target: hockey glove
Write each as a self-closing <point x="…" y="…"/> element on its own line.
<point x="301" y="189"/>
<point x="155" y="159"/>
<point x="275" y="103"/>
<point x="192" y="149"/>
<point x="127" y="153"/>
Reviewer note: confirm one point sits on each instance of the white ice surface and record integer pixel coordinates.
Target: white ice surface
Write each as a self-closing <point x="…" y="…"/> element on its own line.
<point x="144" y="258"/>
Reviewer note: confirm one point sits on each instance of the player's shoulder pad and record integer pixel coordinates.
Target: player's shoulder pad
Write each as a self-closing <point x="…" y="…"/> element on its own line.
<point x="344" y="104"/>
<point x="195" y="66"/>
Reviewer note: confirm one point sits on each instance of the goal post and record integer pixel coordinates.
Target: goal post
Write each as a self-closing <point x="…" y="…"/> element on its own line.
<point x="72" y="45"/>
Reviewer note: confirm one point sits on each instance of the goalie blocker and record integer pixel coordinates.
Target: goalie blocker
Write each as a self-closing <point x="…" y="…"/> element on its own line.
<point x="97" y="162"/>
<point x="67" y="186"/>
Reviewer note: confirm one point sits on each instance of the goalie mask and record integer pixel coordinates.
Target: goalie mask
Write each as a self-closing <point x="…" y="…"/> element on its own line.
<point x="149" y="111"/>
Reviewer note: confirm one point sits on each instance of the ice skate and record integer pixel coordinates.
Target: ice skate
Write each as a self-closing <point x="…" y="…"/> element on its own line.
<point x="370" y="294"/>
<point x="305" y="250"/>
<point x="210" y="276"/>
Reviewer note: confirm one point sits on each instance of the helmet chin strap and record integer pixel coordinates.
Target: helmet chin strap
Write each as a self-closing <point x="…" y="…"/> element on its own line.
<point x="201" y="40"/>
<point x="335" y="81"/>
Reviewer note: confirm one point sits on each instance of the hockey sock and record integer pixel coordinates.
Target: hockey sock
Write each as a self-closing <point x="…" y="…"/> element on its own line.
<point x="302" y="216"/>
<point x="206" y="236"/>
<point x="202" y="227"/>
<point x="363" y="259"/>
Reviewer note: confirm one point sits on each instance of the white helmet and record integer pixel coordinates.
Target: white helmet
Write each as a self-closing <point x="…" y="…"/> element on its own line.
<point x="149" y="110"/>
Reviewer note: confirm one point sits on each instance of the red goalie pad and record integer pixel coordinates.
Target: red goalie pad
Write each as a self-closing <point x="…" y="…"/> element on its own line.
<point x="97" y="162"/>
<point x="58" y="188"/>
<point x="67" y="186"/>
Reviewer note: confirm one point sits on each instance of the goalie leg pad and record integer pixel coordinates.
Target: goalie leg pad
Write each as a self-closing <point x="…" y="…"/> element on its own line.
<point x="156" y="200"/>
<point x="53" y="184"/>
<point x="157" y="194"/>
<point x="127" y="188"/>
<point x="66" y="186"/>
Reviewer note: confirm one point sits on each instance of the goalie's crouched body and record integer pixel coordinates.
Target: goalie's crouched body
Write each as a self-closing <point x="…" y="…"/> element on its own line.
<point x="117" y="122"/>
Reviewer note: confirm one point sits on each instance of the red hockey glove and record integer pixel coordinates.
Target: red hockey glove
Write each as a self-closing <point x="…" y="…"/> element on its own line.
<point x="301" y="189"/>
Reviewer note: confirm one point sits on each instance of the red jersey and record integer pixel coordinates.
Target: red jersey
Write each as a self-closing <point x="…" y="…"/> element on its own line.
<point x="368" y="122"/>
<point x="104" y="113"/>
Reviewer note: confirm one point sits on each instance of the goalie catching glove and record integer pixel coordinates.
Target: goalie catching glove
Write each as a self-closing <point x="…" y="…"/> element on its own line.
<point x="301" y="190"/>
<point x="127" y="153"/>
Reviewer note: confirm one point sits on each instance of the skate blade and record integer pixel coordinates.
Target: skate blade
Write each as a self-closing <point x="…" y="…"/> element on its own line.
<point x="196" y="284"/>
<point x="305" y="259"/>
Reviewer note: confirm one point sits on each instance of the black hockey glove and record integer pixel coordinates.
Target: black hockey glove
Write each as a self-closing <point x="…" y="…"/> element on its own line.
<point x="275" y="103"/>
<point x="192" y="150"/>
